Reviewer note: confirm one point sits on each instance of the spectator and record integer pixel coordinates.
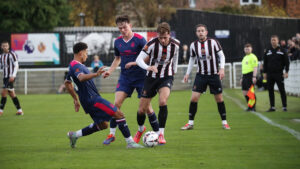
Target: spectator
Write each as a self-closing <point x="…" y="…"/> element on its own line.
<point x="283" y="45"/>
<point x="293" y="52"/>
<point x="96" y="64"/>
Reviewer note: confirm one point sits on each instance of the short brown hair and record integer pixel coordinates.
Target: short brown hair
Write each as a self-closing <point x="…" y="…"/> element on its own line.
<point x="163" y="27"/>
<point x="248" y="45"/>
<point x="201" y="25"/>
<point x="122" y="18"/>
<point x="275" y="36"/>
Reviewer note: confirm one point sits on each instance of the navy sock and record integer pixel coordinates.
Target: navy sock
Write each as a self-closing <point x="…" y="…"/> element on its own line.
<point x="193" y="110"/>
<point x="16" y="102"/>
<point x="90" y="129"/>
<point x="3" y="102"/>
<point x="162" y="116"/>
<point x="123" y="127"/>
<point x="153" y="121"/>
<point x="113" y="123"/>
<point x="141" y="118"/>
<point x="222" y="110"/>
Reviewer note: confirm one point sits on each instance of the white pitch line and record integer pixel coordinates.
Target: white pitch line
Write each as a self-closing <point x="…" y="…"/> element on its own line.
<point x="266" y="119"/>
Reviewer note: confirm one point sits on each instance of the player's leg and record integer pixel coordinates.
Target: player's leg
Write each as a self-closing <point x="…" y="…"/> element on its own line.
<point x="92" y="128"/>
<point x="164" y="94"/>
<point x="200" y="85"/>
<point x="143" y="108"/>
<point x="152" y="119"/>
<point x="3" y="95"/>
<point x="15" y="99"/>
<point x="121" y="121"/>
<point x="192" y="110"/>
<point x="280" y="84"/>
<point x="222" y="110"/>
<point x="271" y="83"/>
<point x="120" y="96"/>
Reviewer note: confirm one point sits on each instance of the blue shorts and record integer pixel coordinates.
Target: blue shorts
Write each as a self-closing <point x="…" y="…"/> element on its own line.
<point x="101" y="110"/>
<point x="128" y="86"/>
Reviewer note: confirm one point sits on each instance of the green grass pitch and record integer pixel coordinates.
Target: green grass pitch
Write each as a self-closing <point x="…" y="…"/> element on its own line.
<point x="38" y="139"/>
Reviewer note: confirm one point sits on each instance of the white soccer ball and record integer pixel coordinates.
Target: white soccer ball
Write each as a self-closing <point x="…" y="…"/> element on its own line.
<point x="150" y="139"/>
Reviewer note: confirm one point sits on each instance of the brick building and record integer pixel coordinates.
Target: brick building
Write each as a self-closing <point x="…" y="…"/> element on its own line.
<point x="292" y="7"/>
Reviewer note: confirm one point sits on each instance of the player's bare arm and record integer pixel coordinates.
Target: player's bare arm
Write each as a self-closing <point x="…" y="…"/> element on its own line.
<point x="113" y="66"/>
<point x="85" y="77"/>
<point x="221" y="73"/>
<point x="72" y="92"/>
<point x="128" y="65"/>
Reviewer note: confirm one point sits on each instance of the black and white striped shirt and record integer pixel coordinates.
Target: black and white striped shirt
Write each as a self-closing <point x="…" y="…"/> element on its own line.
<point x="9" y="64"/>
<point x="207" y="53"/>
<point x="165" y="58"/>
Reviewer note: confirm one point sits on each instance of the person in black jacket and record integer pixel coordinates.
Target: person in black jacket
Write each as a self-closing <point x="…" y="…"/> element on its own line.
<point x="275" y="61"/>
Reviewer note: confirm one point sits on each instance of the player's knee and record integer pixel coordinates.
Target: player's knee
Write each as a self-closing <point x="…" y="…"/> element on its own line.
<point x="163" y="102"/>
<point x="103" y="125"/>
<point x="119" y="115"/>
<point x="219" y="98"/>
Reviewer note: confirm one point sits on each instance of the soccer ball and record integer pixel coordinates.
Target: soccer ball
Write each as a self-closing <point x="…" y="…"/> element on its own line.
<point x="150" y="139"/>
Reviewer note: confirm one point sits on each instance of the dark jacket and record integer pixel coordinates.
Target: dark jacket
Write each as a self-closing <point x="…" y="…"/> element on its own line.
<point x="275" y="60"/>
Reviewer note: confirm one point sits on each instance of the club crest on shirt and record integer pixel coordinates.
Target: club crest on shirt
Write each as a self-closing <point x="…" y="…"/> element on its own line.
<point x="77" y="70"/>
<point x="146" y="47"/>
<point x="132" y="44"/>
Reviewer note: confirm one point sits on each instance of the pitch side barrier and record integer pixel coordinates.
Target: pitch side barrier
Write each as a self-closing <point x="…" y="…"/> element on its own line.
<point x="48" y="80"/>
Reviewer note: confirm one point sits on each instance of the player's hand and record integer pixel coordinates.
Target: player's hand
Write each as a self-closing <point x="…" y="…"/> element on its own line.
<point x="265" y="76"/>
<point x="254" y="80"/>
<point x="100" y="70"/>
<point x="76" y="105"/>
<point x="129" y="64"/>
<point x="285" y="75"/>
<point x="106" y="74"/>
<point x="186" y="78"/>
<point x="153" y="69"/>
<point x="11" y="79"/>
<point x="221" y="73"/>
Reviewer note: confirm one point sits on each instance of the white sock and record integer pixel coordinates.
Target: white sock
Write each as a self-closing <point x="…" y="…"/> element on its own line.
<point x="191" y="122"/>
<point x="1" y="110"/>
<point x="20" y="110"/>
<point x="112" y="131"/>
<point x="141" y="128"/>
<point x="224" y="122"/>
<point x="162" y="131"/>
<point x="129" y="139"/>
<point x="78" y="133"/>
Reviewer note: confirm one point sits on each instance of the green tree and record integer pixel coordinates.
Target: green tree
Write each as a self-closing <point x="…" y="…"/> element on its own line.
<point x="33" y="15"/>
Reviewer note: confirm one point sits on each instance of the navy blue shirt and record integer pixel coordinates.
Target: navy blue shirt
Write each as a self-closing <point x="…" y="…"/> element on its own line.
<point x="129" y="51"/>
<point x="86" y="90"/>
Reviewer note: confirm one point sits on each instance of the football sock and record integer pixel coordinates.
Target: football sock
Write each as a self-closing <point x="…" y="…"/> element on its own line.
<point x="141" y="118"/>
<point x="79" y="133"/>
<point x="92" y="128"/>
<point x="162" y="131"/>
<point x="16" y="102"/>
<point x="191" y="122"/>
<point x="123" y="127"/>
<point x="162" y="116"/>
<point x="224" y="122"/>
<point x="193" y="110"/>
<point x="153" y="121"/>
<point x="3" y="101"/>
<point x="113" y="126"/>
<point x="129" y="139"/>
<point x="222" y="110"/>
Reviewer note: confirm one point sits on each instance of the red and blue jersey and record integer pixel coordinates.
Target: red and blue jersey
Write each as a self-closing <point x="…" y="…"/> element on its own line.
<point x="86" y="90"/>
<point x="129" y="51"/>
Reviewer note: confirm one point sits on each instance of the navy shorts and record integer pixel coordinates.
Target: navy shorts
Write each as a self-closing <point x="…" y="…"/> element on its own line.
<point x="8" y="85"/>
<point x="202" y="81"/>
<point x="101" y="110"/>
<point x="152" y="85"/>
<point x="128" y="86"/>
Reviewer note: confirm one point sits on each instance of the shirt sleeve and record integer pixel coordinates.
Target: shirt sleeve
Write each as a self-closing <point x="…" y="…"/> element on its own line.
<point x="254" y="61"/>
<point x="147" y="48"/>
<point x="68" y="77"/>
<point x="192" y="50"/>
<point x="77" y="69"/>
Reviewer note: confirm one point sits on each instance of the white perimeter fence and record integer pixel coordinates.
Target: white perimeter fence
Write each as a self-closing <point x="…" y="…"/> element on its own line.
<point x="48" y="80"/>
